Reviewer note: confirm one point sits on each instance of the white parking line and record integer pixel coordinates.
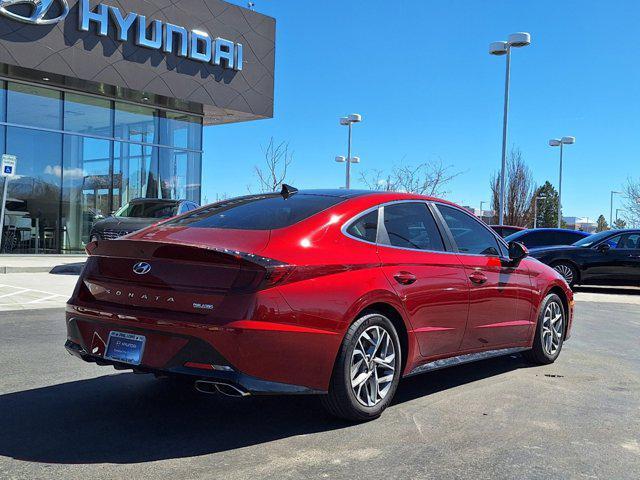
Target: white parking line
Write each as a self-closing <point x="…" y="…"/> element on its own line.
<point x="29" y="289"/>
<point x="45" y="298"/>
<point x="24" y="298"/>
<point x="14" y="293"/>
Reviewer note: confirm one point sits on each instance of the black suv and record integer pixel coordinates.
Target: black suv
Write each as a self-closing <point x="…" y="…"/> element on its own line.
<point x="546" y="237"/>
<point x="138" y="214"/>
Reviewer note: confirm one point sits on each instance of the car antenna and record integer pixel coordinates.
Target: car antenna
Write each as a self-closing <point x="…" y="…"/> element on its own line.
<point x="287" y="191"/>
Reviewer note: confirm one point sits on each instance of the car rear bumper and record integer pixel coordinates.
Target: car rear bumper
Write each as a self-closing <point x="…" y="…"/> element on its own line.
<point x="258" y="357"/>
<point x="243" y="383"/>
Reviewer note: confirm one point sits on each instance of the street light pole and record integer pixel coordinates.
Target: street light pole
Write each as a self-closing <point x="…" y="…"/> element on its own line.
<point x="521" y="39"/>
<point x="348" y="181"/>
<point x="613" y="192"/>
<point x="505" y="122"/>
<point x="349" y="121"/>
<point x="560" y="189"/>
<point x="535" y="211"/>
<point x="555" y="142"/>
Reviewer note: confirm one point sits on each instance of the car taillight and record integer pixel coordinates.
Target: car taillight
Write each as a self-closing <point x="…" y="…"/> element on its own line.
<point x="277" y="275"/>
<point x="258" y="273"/>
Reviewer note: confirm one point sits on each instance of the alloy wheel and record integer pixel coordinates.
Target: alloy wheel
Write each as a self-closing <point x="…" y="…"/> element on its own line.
<point x="566" y="271"/>
<point x="552" y="328"/>
<point x="373" y="366"/>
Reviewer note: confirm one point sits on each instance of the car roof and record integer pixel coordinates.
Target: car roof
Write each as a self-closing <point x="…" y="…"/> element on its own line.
<point x="335" y="192"/>
<point x="386" y="196"/>
<point x="554" y="230"/>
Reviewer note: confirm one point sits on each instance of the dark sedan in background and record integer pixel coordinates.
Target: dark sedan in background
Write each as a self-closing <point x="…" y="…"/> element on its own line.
<point x="605" y="258"/>
<point x="546" y="237"/>
<point x="505" y="230"/>
<point x="138" y="214"/>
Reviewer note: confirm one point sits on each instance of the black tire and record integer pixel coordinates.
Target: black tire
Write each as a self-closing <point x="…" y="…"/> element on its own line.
<point x="540" y="354"/>
<point x="341" y="400"/>
<point x="568" y="272"/>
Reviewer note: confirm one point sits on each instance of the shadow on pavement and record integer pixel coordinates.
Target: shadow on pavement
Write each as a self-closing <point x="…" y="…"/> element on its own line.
<point x="68" y="269"/>
<point x="607" y="290"/>
<point x="129" y="418"/>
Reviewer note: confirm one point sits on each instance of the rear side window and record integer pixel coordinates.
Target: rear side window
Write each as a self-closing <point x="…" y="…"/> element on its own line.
<point x="411" y="225"/>
<point x="365" y="228"/>
<point x="257" y="212"/>
<point x="571" y="237"/>
<point x="469" y="234"/>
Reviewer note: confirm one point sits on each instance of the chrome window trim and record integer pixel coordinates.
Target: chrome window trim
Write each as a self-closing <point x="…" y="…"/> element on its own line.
<point x="380" y="207"/>
<point x="355" y="218"/>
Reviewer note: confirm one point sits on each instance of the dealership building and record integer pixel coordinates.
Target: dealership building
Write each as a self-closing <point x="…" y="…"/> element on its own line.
<point x="105" y="101"/>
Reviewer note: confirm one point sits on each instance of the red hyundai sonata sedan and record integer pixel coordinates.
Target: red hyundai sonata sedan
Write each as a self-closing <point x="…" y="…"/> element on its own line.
<point x="338" y="293"/>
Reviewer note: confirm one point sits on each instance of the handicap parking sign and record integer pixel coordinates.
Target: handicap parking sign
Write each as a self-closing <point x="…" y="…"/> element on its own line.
<point x="8" y="165"/>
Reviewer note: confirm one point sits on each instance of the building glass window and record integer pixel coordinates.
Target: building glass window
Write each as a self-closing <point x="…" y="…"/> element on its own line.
<point x="34" y="106"/>
<point x="136" y="123"/>
<point x="88" y="115"/>
<point x="32" y="223"/>
<point x="86" y="188"/>
<point x="179" y="174"/>
<point x="180" y="130"/>
<point x="135" y="173"/>
<point x="3" y="104"/>
<point x="80" y="157"/>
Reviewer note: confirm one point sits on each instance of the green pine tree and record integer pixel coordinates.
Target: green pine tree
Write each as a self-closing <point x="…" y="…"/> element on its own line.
<point x="548" y="207"/>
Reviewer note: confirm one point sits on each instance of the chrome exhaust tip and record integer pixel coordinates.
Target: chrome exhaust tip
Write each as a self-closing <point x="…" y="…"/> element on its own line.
<point x="227" y="389"/>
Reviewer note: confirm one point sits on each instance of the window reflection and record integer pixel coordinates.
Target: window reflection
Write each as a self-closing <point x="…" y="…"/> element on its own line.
<point x="136" y="123"/>
<point x="88" y="115"/>
<point x="135" y="171"/>
<point x="180" y="174"/>
<point x="86" y="187"/>
<point x="3" y="102"/>
<point x="33" y="196"/>
<point x="34" y="106"/>
<point x="66" y="182"/>
<point x="180" y="130"/>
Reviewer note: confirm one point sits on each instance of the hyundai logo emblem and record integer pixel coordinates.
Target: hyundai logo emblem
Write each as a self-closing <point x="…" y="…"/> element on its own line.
<point x="39" y="10"/>
<point x="141" y="268"/>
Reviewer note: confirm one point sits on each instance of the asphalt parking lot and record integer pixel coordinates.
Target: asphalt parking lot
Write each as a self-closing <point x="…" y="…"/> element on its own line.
<point x="501" y="418"/>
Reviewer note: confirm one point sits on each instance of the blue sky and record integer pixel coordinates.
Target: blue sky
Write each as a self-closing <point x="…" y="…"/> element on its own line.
<point x="420" y="74"/>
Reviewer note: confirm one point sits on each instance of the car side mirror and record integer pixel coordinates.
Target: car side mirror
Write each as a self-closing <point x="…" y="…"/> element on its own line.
<point x="604" y="247"/>
<point x="517" y="252"/>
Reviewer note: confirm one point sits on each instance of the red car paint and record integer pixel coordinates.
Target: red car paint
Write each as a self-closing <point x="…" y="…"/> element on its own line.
<point x="286" y="326"/>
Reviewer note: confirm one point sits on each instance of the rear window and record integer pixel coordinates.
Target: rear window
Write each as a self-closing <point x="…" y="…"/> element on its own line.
<point x="257" y="212"/>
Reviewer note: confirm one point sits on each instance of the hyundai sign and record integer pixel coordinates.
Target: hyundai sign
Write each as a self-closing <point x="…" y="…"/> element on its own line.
<point x="216" y="56"/>
<point x="156" y="34"/>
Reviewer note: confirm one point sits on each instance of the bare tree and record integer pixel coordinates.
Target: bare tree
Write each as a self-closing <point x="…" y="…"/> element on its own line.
<point x="632" y="202"/>
<point x="277" y="160"/>
<point x="519" y="188"/>
<point x="377" y="180"/>
<point x="428" y="178"/>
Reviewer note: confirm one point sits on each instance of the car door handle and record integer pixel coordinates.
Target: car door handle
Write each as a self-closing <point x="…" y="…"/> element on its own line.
<point x="405" y="278"/>
<point x="634" y="256"/>
<point x="478" y="278"/>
